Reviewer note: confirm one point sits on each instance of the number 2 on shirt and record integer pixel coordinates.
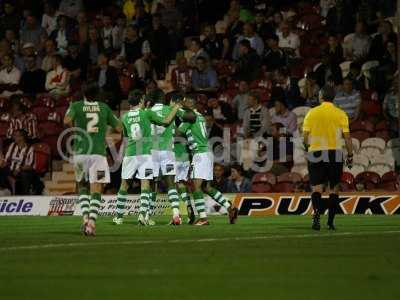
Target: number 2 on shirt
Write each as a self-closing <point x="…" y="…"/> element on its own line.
<point x="93" y="121"/>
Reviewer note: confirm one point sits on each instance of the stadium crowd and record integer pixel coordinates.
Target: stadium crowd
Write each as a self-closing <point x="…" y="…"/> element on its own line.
<point x="256" y="67"/>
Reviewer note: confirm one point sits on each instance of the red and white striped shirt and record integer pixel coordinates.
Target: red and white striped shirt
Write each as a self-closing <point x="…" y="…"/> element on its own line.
<point x="27" y="122"/>
<point x="18" y="157"/>
<point x="182" y="79"/>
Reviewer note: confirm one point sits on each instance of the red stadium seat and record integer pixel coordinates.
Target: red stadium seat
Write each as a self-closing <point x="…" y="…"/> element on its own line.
<point x="362" y="125"/>
<point x="360" y="135"/>
<point x="42" y="154"/>
<point x="371" y="108"/>
<point x="289" y="177"/>
<point x="390" y="176"/>
<point x="383" y="125"/>
<point x="264" y="187"/>
<point x="369" y="95"/>
<point x="51" y="141"/>
<point x="266" y="177"/>
<point x="3" y="129"/>
<point x="368" y="178"/>
<point x="284" y="187"/>
<point x="390" y="186"/>
<point x="41" y="113"/>
<point x="347" y="182"/>
<point x="64" y="101"/>
<point x="383" y="134"/>
<point x="44" y="101"/>
<point x="61" y="110"/>
<point x="48" y="128"/>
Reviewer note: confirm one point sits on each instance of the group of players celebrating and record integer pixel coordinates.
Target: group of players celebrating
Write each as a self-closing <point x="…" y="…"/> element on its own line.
<point x="165" y="141"/>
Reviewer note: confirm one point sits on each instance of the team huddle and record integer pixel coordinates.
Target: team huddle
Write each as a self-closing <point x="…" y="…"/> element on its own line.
<point x="165" y="141"/>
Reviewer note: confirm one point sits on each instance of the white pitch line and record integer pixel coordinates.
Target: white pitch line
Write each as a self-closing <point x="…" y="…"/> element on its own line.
<point x="204" y="240"/>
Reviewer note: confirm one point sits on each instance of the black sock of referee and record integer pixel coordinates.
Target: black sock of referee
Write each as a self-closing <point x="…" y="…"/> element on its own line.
<point x="316" y="199"/>
<point x="332" y="201"/>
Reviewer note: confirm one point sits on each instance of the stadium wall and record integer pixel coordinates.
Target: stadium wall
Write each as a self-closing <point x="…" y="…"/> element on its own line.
<point x="248" y="204"/>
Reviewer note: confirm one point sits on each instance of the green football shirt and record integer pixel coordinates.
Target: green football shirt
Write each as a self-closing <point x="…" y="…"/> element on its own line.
<point x="196" y="134"/>
<point x="137" y="128"/>
<point x="92" y="118"/>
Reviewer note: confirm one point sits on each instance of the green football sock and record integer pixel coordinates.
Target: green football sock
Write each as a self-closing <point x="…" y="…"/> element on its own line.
<point x="174" y="200"/>
<point x="219" y="198"/>
<point x="152" y="203"/>
<point x="183" y="192"/>
<point x="95" y="200"/>
<point x="84" y="201"/>
<point x="121" y="200"/>
<point x="200" y="204"/>
<point x="144" y="202"/>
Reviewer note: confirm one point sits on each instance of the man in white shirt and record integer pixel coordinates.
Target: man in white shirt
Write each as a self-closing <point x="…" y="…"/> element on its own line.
<point x="9" y="77"/>
<point x="49" y="19"/>
<point x="289" y="41"/>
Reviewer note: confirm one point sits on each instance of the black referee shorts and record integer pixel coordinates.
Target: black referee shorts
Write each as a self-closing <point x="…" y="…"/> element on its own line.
<point x="325" y="167"/>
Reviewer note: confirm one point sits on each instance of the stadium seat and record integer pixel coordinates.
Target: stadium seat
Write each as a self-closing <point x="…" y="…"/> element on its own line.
<point x="361" y="159"/>
<point x="374" y="142"/>
<point x="48" y="128"/>
<point x="356" y="169"/>
<point x="383" y="134"/>
<point x="389" y="186"/>
<point x="364" y="125"/>
<point x="393" y="143"/>
<point x="380" y="169"/>
<point x="3" y="129"/>
<point x="61" y="110"/>
<point x="263" y="187"/>
<point x="301" y="169"/>
<point x="266" y="177"/>
<point x="289" y="177"/>
<point x="390" y="176"/>
<point x="301" y="111"/>
<point x="64" y="101"/>
<point x="284" y="187"/>
<point x="42" y="153"/>
<point x="51" y="141"/>
<point x="370" y="152"/>
<point x="368" y="176"/>
<point x="347" y="182"/>
<point x="44" y="100"/>
<point x="345" y="67"/>
<point x="356" y="144"/>
<point x="41" y="112"/>
<point x="368" y="66"/>
<point x="371" y="108"/>
<point x="361" y="135"/>
<point x="383" y="125"/>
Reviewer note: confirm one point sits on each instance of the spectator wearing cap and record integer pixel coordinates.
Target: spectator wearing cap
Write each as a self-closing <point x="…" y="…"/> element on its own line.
<point x="28" y="50"/>
<point x="288" y="88"/>
<point x="108" y="81"/>
<point x="288" y="40"/>
<point x="57" y="80"/>
<point x="144" y="66"/>
<point x="33" y="79"/>
<point x="32" y="32"/>
<point x="360" y="44"/>
<point x="349" y="100"/>
<point x="133" y="46"/>
<point x="49" y="19"/>
<point x="63" y="35"/>
<point x="10" y="19"/>
<point x="197" y="49"/>
<point x="274" y="57"/>
<point x="310" y="91"/>
<point x="10" y="77"/>
<point x="240" y="102"/>
<point x="256" y="119"/>
<point x="250" y="35"/>
<point x="181" y="76"/>
<point x="284" y="116"/>
<point x="248" y="64"/>
<point x="204" y="77"/>
<point x="237" y="183"/>
<point x="221" y="111"/>
<point x="48" y="59"/>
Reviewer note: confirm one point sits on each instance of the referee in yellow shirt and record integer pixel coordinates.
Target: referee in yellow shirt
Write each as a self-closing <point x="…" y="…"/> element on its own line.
<point x="324" y="127"/>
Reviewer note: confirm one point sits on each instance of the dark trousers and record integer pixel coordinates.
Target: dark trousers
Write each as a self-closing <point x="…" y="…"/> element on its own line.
<point x="26" y="182"/>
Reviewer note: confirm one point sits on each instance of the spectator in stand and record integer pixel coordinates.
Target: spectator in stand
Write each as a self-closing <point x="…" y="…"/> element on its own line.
<point x="18" y="166"/>
<point x="106" y="33"/>
<point x="237" y="183"/>
<point x="57" y="80"/>
<point x="235" y="26"/>
<point x="10" y="19"/>
<point x="391" y="109"/>
<point x="133" y="46"/>
<point x="216" y="45"/>
<point x="388" y="62"/>
<point x="327" y="70"/>
<point x="288" y="86"/>
<point x="264" y="30"/>
<point x="274" y="57"/>
<point x="144" y="67"/>
<point x="33" y="80"/>
<point x="159" y="44"/>
<point x="119" y="32"/>
<point x="204" y="77"/>
<point x="143" y="19"/>
<point x="248" y="64"/>
<point x="340" y="18"/>
<point x="284" y="116"/>
<point x="334" y="50"/>
<point x="12" y="39"/>
<point x="33" y="33"/>
<point x="198" y="51"/>
<point x="9" y="77"/>
<point x="240" y="102"/>
<point x="361" y="42"/>
<point x="256" y="119"/>
<point x="49" y="19"/>
<point x="219" y="181"/>
<point x="71" y="8"/>
<point x="19" y="119"/>
<point x="108" y="81"/>
<point x="93" y="47"/>
<point x="289" y="41"/>
<point x="213" y="128"/>
<point x="48" y="59"/>
<point x="356" y="75"/>
<point x="349" y="100"/>
<point x="170" y="15"/>
<point x="310" y="91"/>
<point x="250" y="35"/>
<point x="82" y="29"/>
<point x="27" y="50"/>
<point x="384" y="36"/>
<point x="181" y="76"/>
<point x="326" y="5"/>
<point x="63" y="35"/>
<point x="221" y="111"/>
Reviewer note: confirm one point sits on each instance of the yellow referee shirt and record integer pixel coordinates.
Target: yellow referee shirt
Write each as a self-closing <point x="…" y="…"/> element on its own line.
<point x="325" y="124"/>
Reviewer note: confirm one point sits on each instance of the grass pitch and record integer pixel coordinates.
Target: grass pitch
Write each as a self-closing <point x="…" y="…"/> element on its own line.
<point x="258" y="258"/>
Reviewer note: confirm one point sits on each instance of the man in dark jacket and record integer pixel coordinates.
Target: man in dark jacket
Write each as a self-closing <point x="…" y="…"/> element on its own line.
<point x="249" y="63"/>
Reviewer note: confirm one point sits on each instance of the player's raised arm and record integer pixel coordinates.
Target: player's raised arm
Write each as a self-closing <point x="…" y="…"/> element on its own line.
<point x="156" y="119"/>
<point x="114" y="122"/>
